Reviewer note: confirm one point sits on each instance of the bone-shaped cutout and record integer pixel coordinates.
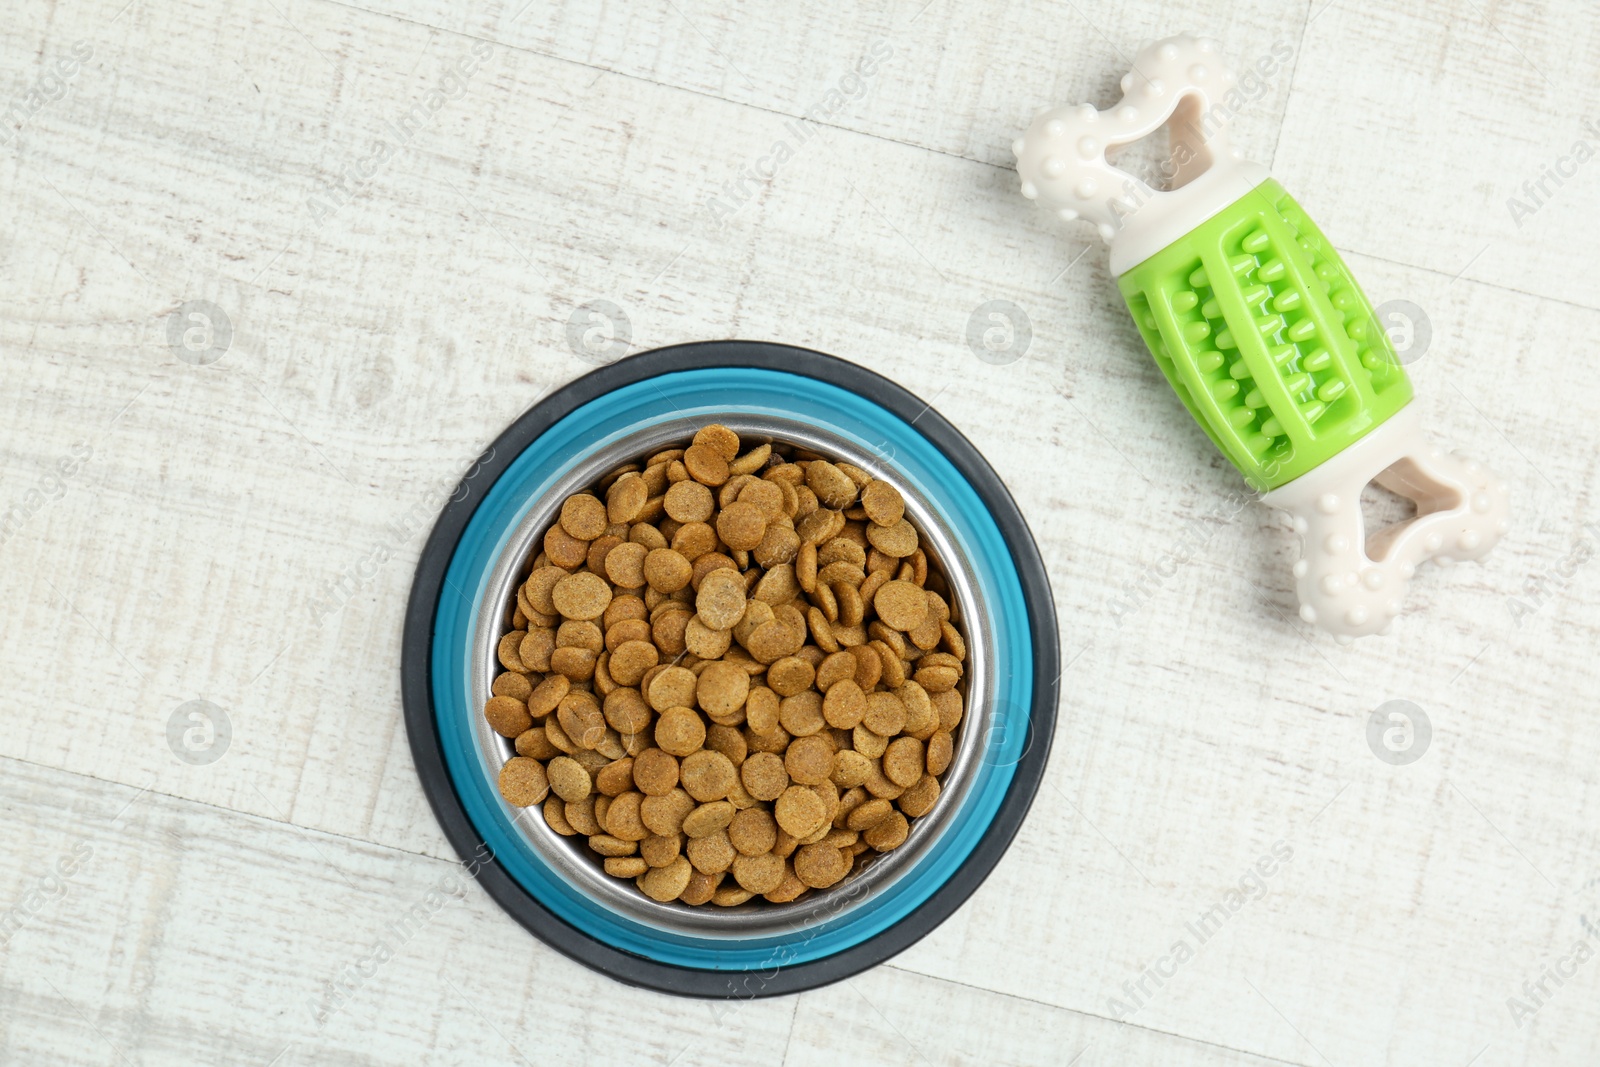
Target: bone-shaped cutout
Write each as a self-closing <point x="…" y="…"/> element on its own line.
<point x="1352" y="584"/>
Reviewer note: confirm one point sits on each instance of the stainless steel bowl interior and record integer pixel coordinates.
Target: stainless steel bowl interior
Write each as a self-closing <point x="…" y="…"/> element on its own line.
<point x="756" y="918"/>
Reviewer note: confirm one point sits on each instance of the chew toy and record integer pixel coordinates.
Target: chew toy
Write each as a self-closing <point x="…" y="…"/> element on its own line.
<point x="1265" y="336"/>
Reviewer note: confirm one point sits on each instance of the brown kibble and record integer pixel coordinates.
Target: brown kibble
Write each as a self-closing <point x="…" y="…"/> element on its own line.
<point x="869" y="814"/>
<point x="742" y="525"/>
<point x="722" y="689"/>
<point x="555" y="816"/>
<point x="701" y="888"/>
<point x="763" y="775"/>
<point x="508" y="717"/>
<point x="938" y="678"/>
<point x="710" y="853"/>
<point x="761" y="709"/>
<point x="833" y="487"/>
<point x="539" y="587"/>
<point x="903" y="762"/>
<point x="883" y="503"/>
<point x="902" y="605"/>
<point x="581" y="596"/>
<point x="720" y="440"/>
<point x="759" y="874"/>
<point x="535" y="744"/>
<point x="720" y="600"/>
<point x="580" y="717"/>
<point x="507" y="651"/>
<point x="664" y="814"/>
<point x="850" y="768"/>
<point x="615" y="778"/>
<point x="799" y="810"/>
<point x="625" y="564"/>
<point x="523" y="782"/>
<point x="820" y="865"/>
<point x="941" y="748"/>
<point x="626" y="498"/>
<point x="576" y="663"/>
<point x="897" y="541"/>
<point x="626" y="711"/>
<point x="920" y="798"/>
<point x="655" y="772"/>
<point x="752" y="460"/>
<point x="666" y="883"/>
<point x="707" y="775"/>
<point x="679" y="731"/>
<point x="568" y="779"/>
<point x="705" y="465"/>
<point x="922" y="719"/>
<point x="624" y="817"/>
<point x="667" y="571"/>
<point x="888" y="834"/>
<point x="511" y="684"/>
<point x="790" y="675"/>
<point x="612" y="847"/>
<point x="584" y="517"/>
<point x="709" y="818"/>
<point x="730" y="896"/>
<point x="773" y="640"/>
<point x="672" y="687"/>
<point x="809" y="760"/>
<point x="658" y="850"/>
<point x="790" y="888"/>
<point x="670" y="624"/>
<point x="689" y="502"/>
<point x="869" y="744"/>
<point x="886" y="714"/>
<point x="630" y="660"/>
<point x="753" y="831"/>
<point x="949" y="706"/>
<point x="801" y="714"/>
<point x="547" y="695"/>
<point x="805" y="564"/>
<point x="564" y="550"/>
<point x="580" y="816"/>
<point x="705" y="642"/>
<point x="626" y="867"/>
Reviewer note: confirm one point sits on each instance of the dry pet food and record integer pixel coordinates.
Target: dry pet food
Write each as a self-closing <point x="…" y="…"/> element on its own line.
<point x="735" y="671"/>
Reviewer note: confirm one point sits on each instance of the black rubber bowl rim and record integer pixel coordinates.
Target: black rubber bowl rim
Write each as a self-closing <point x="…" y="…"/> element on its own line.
<point x="421" y="726"/>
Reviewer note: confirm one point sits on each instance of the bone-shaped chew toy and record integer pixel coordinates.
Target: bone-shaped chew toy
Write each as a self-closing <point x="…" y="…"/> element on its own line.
<point x="1267" y="339"/>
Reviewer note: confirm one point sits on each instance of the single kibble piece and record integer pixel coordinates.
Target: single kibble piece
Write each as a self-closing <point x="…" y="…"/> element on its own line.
<point x="508" y="716"/>
<point x="764" y="776"/>
<point x="799" y="810"/>
<point x="753" y="831"/>
<point x="901" y="604"/>
<point x="655" y="772"/>
<point x="883" y="503"/>
<point x="568" y="779"/>
<point x="679" y="732"/>
<point x="720" y="601"/>
<point x="759" y="874"/>
<point x="523" y="783"/>
<point x="665" y="883"/>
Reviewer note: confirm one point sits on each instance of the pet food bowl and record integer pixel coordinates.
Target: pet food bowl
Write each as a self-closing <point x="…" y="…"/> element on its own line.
<point x="464" y="592"/>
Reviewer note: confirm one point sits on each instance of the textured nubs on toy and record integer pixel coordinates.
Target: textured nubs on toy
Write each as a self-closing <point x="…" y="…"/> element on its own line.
<point x="1267" y="339"/>
<point x="1264" y="335"/>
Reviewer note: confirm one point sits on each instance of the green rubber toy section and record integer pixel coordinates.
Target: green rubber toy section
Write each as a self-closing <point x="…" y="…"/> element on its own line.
<point x="1266" y="337"/>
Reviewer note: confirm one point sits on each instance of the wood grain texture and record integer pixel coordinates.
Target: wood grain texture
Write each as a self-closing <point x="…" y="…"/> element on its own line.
<point x="244" y="532"/>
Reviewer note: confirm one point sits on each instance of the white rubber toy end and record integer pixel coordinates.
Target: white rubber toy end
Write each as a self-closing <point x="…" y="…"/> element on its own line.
<point x="1351" y="583"/>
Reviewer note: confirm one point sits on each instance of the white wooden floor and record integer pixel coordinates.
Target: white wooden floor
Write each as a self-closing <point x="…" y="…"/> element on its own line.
<point x="385" y="313"/>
